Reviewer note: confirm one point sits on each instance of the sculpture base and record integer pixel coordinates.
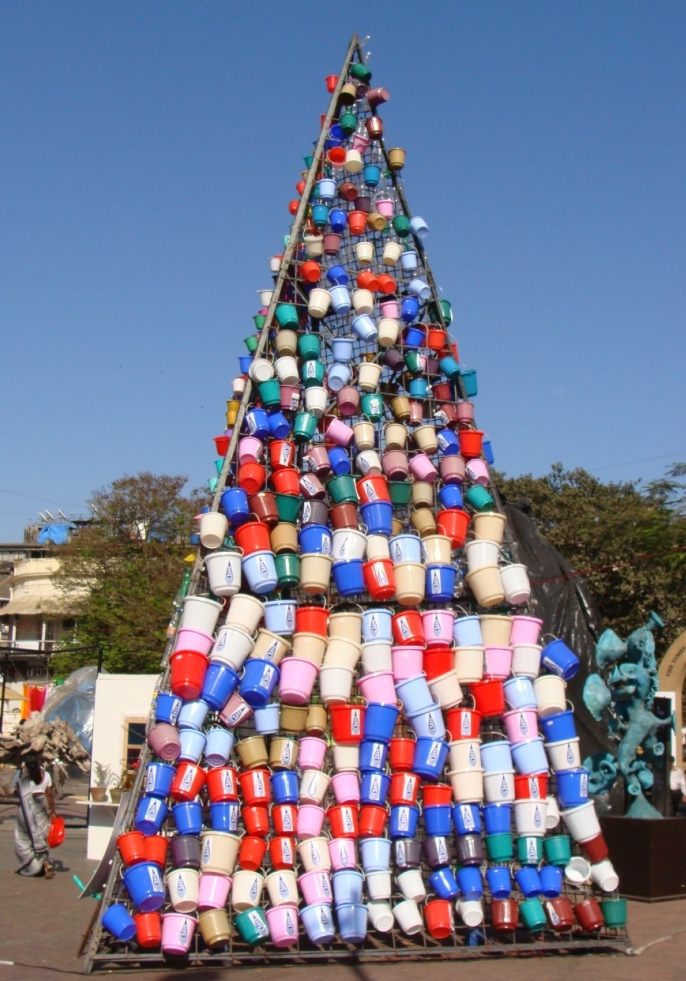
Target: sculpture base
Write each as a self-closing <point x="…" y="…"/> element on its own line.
<point x="649" y="856"/>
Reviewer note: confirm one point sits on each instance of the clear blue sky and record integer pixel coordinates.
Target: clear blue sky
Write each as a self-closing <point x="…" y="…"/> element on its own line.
<point x="148" y="151"/>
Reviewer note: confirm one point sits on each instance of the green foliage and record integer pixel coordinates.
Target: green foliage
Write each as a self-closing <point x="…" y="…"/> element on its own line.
<point x="127" y="566"/>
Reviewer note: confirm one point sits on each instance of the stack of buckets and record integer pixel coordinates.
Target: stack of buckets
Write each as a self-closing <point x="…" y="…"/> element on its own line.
<point x="340" y="747"/>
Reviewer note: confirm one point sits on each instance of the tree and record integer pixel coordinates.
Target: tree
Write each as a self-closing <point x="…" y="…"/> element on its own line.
<point x="126" y="566"/>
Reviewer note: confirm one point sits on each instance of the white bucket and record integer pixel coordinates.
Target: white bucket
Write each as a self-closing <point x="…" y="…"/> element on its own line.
<point x="348" y="543"/>
<point x="313" y="786"/>
<point x="468" y="785"/>
<point x="578" y="870"/>
<point x="232" y="646"/>
<point x="342" y="653"/>
<point x="261" y="370"/>
<point x="465" y="754"/>
<point x="378" y="884"/>
<point x="314" y="244"/>
<point x="550" y="692"/>
<point x="314" y="854"/>
<point x="412" y="885"/>
<point x="213" y="528"/>
<point x="408" y="917"/>
<point x="481" y="553"/>
<point x="368" y="462"/>
<point x="515" y="582"/>
<point x="364" y="251"/>
<point x="564" y="755"/>
<point x="377" y="548"/>
<point x="246" y="890"/>
<point x="316" y="399"/>
<point x="486" y="586"/>
<point x="499" y="787"/>
<point x="604" y="876"/>
<point x="495" y="629"/>
<point x="200" y="613"/>
<point x="552" y="814"/>
<point x="469" y="664"/>
<point x="287" y="370"/>
<point x="245" y="611"/>
<point x="582" y="822"/>
<point x="470" y="911"/>
<point x="437" y="549"/>
<point x="380" y="915"/>
<point x="282" y="887"/>
<point x="376" y="656"/>
<point x="335" y="685"/>
<point x="529" y="817"/>
<point x="445" y="690"/>
<point x="389" y="329"/>
<point x="526" y="660"/>
<point x="183" y="886"/>
<point x="224" y="572"/>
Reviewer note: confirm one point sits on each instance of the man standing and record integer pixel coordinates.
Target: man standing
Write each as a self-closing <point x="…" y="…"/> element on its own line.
<point x="677" y="786"/>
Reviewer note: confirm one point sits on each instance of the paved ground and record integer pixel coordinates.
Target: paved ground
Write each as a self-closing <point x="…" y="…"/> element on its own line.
<point x="42" y="923"/>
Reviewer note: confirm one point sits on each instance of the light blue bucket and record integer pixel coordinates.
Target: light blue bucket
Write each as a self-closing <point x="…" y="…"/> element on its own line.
<point x="347" y="886"/>
<point x="218" y="746"/>
<point x="338" y="376"/>
<point x="318" y="922"/>
<point x="192" y="745"/>
<point x="408" y="260"/>
<point x="450" y="367"/>
<point x="529" y="756"/>
<point x="342" y="349"/>
<point x="467" y="632"/>
<point x="377" y="625"/>
<point x="428" y="723"/>
<point x="496" y="757"/>
<point x="193" y="714"/>
<point x="340" y="300"/>
<point x="259" y="570"/>
<point x="415" y="695"/>
<point x="375" y="854"/>
<point x="420" y="288"/>
<point x="364" y="327"/>
<point x="279" y="616"/>
<point x="352" y="922"/>
<point x="519" y="693"/>
<point x="267" y="719"/>
<point x="419" y="227"/>
<point x="326" y="190"/>
<point x="406" y="548"/>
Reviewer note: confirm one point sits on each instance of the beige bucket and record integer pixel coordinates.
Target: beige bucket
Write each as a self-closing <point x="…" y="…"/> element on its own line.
<point x="376" y="656"/>
<point x="314" y="854"/>
<point x="347" y="625"/>
<point x="252" y="752"/>
<point x="245" y="611"/>
<point x="368" y="376"/>
<point x="314" y="244"/>
<point x="363" y="434"/>
<point x="364" y="251"/>
<point x="397" y="527"/>
<point x="313" y="786"/>
<point x="490" y="526"/>
<point x="353" y="162"/>
<point x="286" y="343"/>
<point x="526" y="660"/>
<point x="410" y="583"/>
<point x="218" y="852"/>
<point x="309" y="647"/>
<point x="486" y="586"/>
<point x="335" y="684"/>
<point x="317" y="721"/>
<point x="422" y="494"/>
<point x="400" y="407"/>
<point x="425" y="438"/>
<point x="284" y="537"/>
<point x="378" y="547"/>
<point x="246" y="890"/>
<point x="363" y="302"/>
<point x="515" y="582"/>
<point x="214" y="927"/>
<point x="270" y="647"/>
<point x="315" y="573"/>
<point x="495" y="630"/>
<point x="437" y="549"/>
<point x="342" y="653"/>
<point x="468" y="785"/>
<point x="213" y="528"/>
<point x="445" y="690"/>
<point x="469" y="664"/>
<point x="292" y="718"/>
<point x="391" y="253"/>
<point x="283" y="753"/>
<point x="388" y="329"/>
<point x="346" y="756"/>
<point x="465" y="754"/>
<point x="551" y="694"/>
<point x="423" y="521"/>
<point x="282" y="887"/>
<point x="395" y="436"/>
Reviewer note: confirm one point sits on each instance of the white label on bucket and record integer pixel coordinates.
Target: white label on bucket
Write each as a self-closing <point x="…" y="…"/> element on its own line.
<point x="264" y="571"/>
<point x="290" y="928"/>
<point x="523" y="727"/>
<point x="432" y="758"/>
<point x="532" y="852"/>
<point x="375" y="788"/>
<point x="258" y="784"/>
<point x="283" y="887"/>
<point x="435" y="581"/>
<point x="409" y="787"/>
<point x="376" y="755"/>
<point x="187" y="780"/>
<point x="533" y="788"/>
<point x="295" y="400"/>
<point x="400" y="853"/>
<point x="286" y="850"/>
<point x="355" y="721"/>
<point x="149" y="781"/>
<point x="373" y="625"/>
<point x="174" y="714"/>
<point x="290" y="619"/>
<point x="431" y="724"/>
<point x="380" y="574"/>
<point x="183" y="932"/>
<point x="233" y="819"/>
<point x="307" y="511"/>
<point x="397" y="552"/>
<point x="324" y="882"/>
<point x="343" y="855"/>
<point x="285" y="455"/>
<point x="206" y="852"/>
<point x="310" y="368"/>
<point x="252" y="424"/>
<point x="583" y="785"/>
<point x="266" y="678"/>
<point x="404" y="627"/>
<point x="257" y="923"/>
<point x="324" y="917"/>
<point x="312" y="789"/>
<point x="308" y="485"/>
<point x="403" y="819"/>
<point x="467" y="816"/>
<point x="503" y="787"/>
<point x="221" y="643"/>
<point x="270" y="653"/>
<point x="466" y="725"/>
<point x="181" y="886"/>
<point x="253" y="889"/>
<point x="347" y="819"/>
<point x="364" y="464"/>
<point x="314" y="855"/>
<point x="326" y="545"/>
<point x="227" y="781"/>
<point x="570" y="753"/>
<point x="437" y="626"/>
<point x="554" y="918"/>
<point x="152" y="809"/>
<point x="156" y="880"/>
<point x="228" y="575"/>
<point x="538" y="820"/>
<point x="369" y="491"/>
<point x="287" y="753"/>
<point x="442" y="851"/>
<point x="472" y="756"/>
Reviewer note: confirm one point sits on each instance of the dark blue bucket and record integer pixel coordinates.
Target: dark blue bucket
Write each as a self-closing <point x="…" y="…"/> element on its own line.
<point x="257" y="423"/>
<point x="374" y="787"/>
<point x="444" y="883"/>
<point x="220" y="683"/>
<point x="450" y="496"/>
<point x="467" y="819"/>
<point x="470" y="882"/>
<point x="259" y="680"/>
<point x="529" y="881"/>
<point x="498" y="818"/>
<point x="224" y="815"/>
<point x="437" y="820"/>
<point x="150" y="815"/>
<point x="440" y="583"/>
<point x="418" y="388"/>
<point x="338" y="220"/>
<point x="118" y="921"/>
<point x="244" y="363"/>
<point x="429" y="758"/>
<point x="348" y="577"/>
<point x="284" y="786"/>
<point x="551" y="877"/>
<point x="572" y="787"/>
<point x="315" y="538"/>
<point x="279" y="426"/>
<point x="158" y="779"/>
<point x="448" y="445"/>
<point x="234" y="504"/>
<point x="145" y="886"/>
<point x="499" y="881"/>
<point x="378" y="517"/>
<point x="339" y="460"/>
<point x="373" y="755"/>
<point x="188" y="817"/>
<point x="558" y="727"/>
<point x="337" y="276"/>
<point x="558" y="659"/>
<point x="167" y="708"/>
<point x="404" y="820"/>
<point x="488" y="451"/>
<point x="413" y="337"/>
<point x="409" y="308"/>
<point x="336" y="134"/>
<point x="379" y="722"/>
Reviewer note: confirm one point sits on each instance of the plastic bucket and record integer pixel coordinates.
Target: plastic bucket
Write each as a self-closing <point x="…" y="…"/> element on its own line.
<point x="246" y="890"/>
<point x="485" y="585"/>
<point x="407" y="661"/>
<point x="557" y="658"/>
<point x="564" y="755"/>
<point x="496" y="757"/>
<point x="414" y="694"/>
<point x="582" y="822"/>
<point x="187" y="817"/>
<point x="372" y="755"/>
<point x="526" y="660"/>
<point x="411" y="885"/>
<point x="118" y="921"/>
<point x="467" y="818"/>
<point x="572" y="787"/>
<point x="589" y="915"/>
<point x="528" y="881"/>
<point x="531" y="786"/>
<point x="378" y="517"/>
<point x="519" y="693"/>
<point x="188" y="781"/>
<point x="379" y="721"/>
<point x="499" y="848"/>
<point x="521" y="724"/>
<point x="148" y="929"/>
<point x="529" y="818"/>
<point x="488" y="697"/>
<point x="145" y="886"/>
<point x="401" y="754"/>
<point x="297" y="680"/>
<point x="374" y="787"/>
<point x="221" y="781"/>
<point x="550" y="695"/>
<point x="183" y="889"/>
<point x="440" y="583"/>
<point x="283" y="753"/>
<point x="551" y="881"/>
<point x="438" y="627"/>
<point x="467" y="632"/>
<point x="429" y="758"/>
<point x="408" y="917"/>
<point x="252" y="926"/>
<point x="346" y="787"/>
<point x="187" y="674"/>
<point x="280" y="616"/>
<point x="468" y="785"/>
<point x="499" y="787"/>
<point x="219" y="684"/>
<point x="347" y="722"/>
<point x="614" y="913"/>
<point x="463" y="723"/>
<point x="529" y="756"/>
<point x="403" y="821"/>
<point x="352" y="922"/>
<point x="558" y="727"/>
<point x="312" y="752"/>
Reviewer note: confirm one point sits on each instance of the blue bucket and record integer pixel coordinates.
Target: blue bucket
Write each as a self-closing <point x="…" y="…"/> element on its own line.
<point x="406" y="548"/>
<point x="192" y="745"/>
<point x="375" y="854"/>
<point x="444" y="883"/>
<point x="167" y="708"/>
<point x="371" y="175"/>
<point x="259" y="570"/>
<point x="188" y="817"/>
<point x="449" y="367"/>
<point x="336" y="134"/>
<point x="413" y="337"/>
<point x="418" y="388"/>
<point x="220" y="682"/>
<point x="193" y="714"/>
<point x="529" y="756"/>
<point x="450" y="496"/>
<point x="244" y="363"/>
<point x="326" y="189"/>
<point x="315" y="538"/>
<point x="218" y="746"/>
<point x="279" y="616"/>
<point x="373" y="755"/>
<point x="342" y="348"/>
<point x="558" y="659"/>
<point x="150" y="815"/>
<point x="284" y="786"/>
<point x="338" y="375"/>
<point x="338" y="276"/>
<point x="257" y="423"/>
<point x="499" y="881"/>
<point x="437" y="819"/>
<point x="429" y="758"/>
<point x="409" y="308"/>
<point x="364" y="327"/>
<point x="529" y="881"/>
<point x="498" y="818"/>
<point x="338" y="220"/>
<point x="558" y="727"/>
<point x="449" y="445"/>
<point x="487" y="451"/>
<point x="374" y="787"/>
<point x="404" y="820"/>
<point x="224" y="815"/>
<point x="429" y="722"/>
<point x="279" y="426"/>
<point x="118" y="921"/>
<point x="352" y="922"/>
<point x="348" y="577"/>
<point x="551" y="881"/>
<point x="471" y="387"/>
<point x="259" y="680"/>
<point x="379" y="722"/>
<point x="572" y="787"/>
<point x="320" y="215"/>
<point x="377" y="625"/>
<point x="378" y="517"/>
<point x="318" y="922"/>
<point x="340" y="461"/>
<point x="467" y="819"/>
<point x="267" y="719"/>
<point x="145" y="886"/>
<point x="234" y="504"/>
<point x="467" y="632"/>
<point x="158" y="779"/>
<point x="347" y="886"/>
<point x="496" y="757"/>
<point x="470" y="882"/>
<point x="440" y="583"/>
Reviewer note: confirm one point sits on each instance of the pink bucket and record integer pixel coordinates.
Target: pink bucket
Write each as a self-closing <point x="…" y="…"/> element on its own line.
<point x="317" y="459"/>
<point x="423" y="469"/>
<point x="521" y="724"/>
<point x="497" y="662"/>
<point x="214" y="890"/>
<point x="343" y="852"/>
<point x="290" y="397"/>
<point x="312" y="753"/>
<point x="395" y="464"/>
<point x="283" y="925"/>
<point x="297" y="680"/>
<point x="311" y="486"/>
<point x="379" y="687"/>
<point x="465" y="413"/>
<point x="346" y="787"/>
<point x="348" y="399"/>
<point x="188" y="639"/>
<point x="477" y="471"/>
<point x="338" y="433"/>
<point x="250" y="450"/>
<point x="390" y="308"/>
<point x="452" y="469"/>
<point x="177" y="933"/>
<point x="316" y="886"/>
<point x="525" y="630"/>
<point x="438" y="627"/>
<point x="310" y="820"/>
<point x="408" y="662"/>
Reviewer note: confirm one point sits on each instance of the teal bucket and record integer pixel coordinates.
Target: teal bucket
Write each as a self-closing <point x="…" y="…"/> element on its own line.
<point x="529" y="849"/>
<point x="533" y="914"/>
<point x="372" y="407"/>
<point x="469" y="381"/>
<point x="614" y="912"/>
<point x="270" y="393"/>
<point x="312" y="373"/>
<point x="309" y="346"/>
<point x="304" y="427"/>
<point x="287" y="569"/>
<point x="259" y="319"/>
<point x="401" y="226"/>
<point x="342" y="489"/>
<point x="558" y="849"/>
<point x="479" y="498"/>
<point x="286" y="315"/>
<point x="400" y="491"/>
<point x="252" y="926"/>
<point x="288" y="506"/>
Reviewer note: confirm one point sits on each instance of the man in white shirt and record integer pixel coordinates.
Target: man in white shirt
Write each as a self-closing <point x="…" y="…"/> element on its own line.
<point x="677" y="785"/>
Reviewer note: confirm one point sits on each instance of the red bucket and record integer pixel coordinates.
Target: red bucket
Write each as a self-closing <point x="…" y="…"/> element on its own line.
<point x="379" y="579"/>
<point x="188" y="670"/>
<point x="443" y="392"/>
<point x="310" y="270"/>
<point x="156" y="847"/>
<point x="471" y="443"/>
<point x="347" y="722"/>
<point x="387" y="284"/>
<point x="404" y="786"/>
<point x="588" y="914"/>
<point x="435" y="794"/>
<point x="447" y="414"/>
<point x="560" y="913"/>
<point x="366" y="280"/>
<point x="439" y="918"/>
<point x="281" y="454"/>
<point x="454" y="523"/>
<point x="357" y="222"/>
<point x="463" y="723"/>
<point x="595" y="848"/>
<point x="372" y="821"/>
<point x="336" y="156"/>
<point x="132" y="848"/>
<point x="371" y="489"/>
<point x="221" y="784"/>
<point x="438" y="661"/>
<point x="251" y="853"/>
<point x="488" y="697"/>
<point x="286" y="480"/>
<point x="531" y="786"/>
<point x="401" y="754"/>
<point x="282" y="852"/>
<point x="253" y="536"/>
<point x="344" y="515"/>
<point x="222" y="444"/>
<point x="435" y="339"/>
<point x="284" y="818"/>
<point x="255" y="786"/>
<point x="312" y="620"/>
<point x="407" y="628"/>
<point x="188" y="781"/>
<point x="505" y="914"/>
<point x="251" y="477"/>
<point x="148" y="929"/>
<point x="344" y="821"/>
<point x="263" y="506"/>
<point x="256" y="820"/>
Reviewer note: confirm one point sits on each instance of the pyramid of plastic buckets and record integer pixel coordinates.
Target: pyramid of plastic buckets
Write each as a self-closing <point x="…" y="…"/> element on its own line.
<point x="360" y="732"/>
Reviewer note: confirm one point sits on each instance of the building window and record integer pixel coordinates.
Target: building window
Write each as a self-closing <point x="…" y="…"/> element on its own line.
<point x="134" y="736"/>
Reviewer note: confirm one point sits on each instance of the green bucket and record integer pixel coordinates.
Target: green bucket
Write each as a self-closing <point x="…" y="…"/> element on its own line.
<point x="529" y="849"/>
<point x="309" y="346"/>
<point x="413" y="362"/>
<point x="372" y="407"/>
<point x="499" y="847"/>
<point x="533" y="914"/>
<point x="360" y="73"/>
<point x="288" y="506"/>
<point x="270" y="393"/>
<point x="471" y="387"/>
<point x="286" y="315"/>
<point x="213" y="483"/>
<point x="614" y="911"/>
<point x="446" y="310"/>
<point x="557" y="849"/>
<point x="308" y="160"/>
<point x="219" y="464"/>
<point x="259" y="319"/>
<point x="252" y="926"/>
<point x="479" y="498"/>
<point x="304" y="427"/>
<point x="401" y="226"/>
<point x="251" y="343"/>
<point x="348" y="122"/>
<point x="287" y="569"/>
<point x="400" y="491"/>
<point x="342" y="489"/>
<point x="312" y="373"/>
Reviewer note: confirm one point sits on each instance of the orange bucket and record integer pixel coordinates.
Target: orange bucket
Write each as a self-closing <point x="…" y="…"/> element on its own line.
<point x="439" y="918"/>
<point x="401" y="754"/>
<point x="253" y="536"/>
<point x="435" y="339"/>
<point x="372" y="821"/>
<point x="347" y="722"/>
<point x="132" y="848"/>
<point x="286" y="480"/>
<point x="336" y="156"/>
<point x="471" y="443"/>
<point x="188" y="781"/>
<point x="387" y="284"/>
<point x="488" y="697"/>
<point x="252" y="852"/>
<point x="312" y="620"/>
<point x="454" y="523"/>
<point x="379" y="579"/>
<point x="357" y="222"/>
<point x="148" y="929"/>
<point x="251" y="477"/>
<point x="156" y="849"/>
<point x="438" y="661"/>
<point x="221" y="784"/>
<point x="367" y="281"/>
<point x="311" y="271"/>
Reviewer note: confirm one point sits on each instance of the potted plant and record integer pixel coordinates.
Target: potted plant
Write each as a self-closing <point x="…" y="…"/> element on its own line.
<point x="102" y="777"/>
<point x="121" y="783"/>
